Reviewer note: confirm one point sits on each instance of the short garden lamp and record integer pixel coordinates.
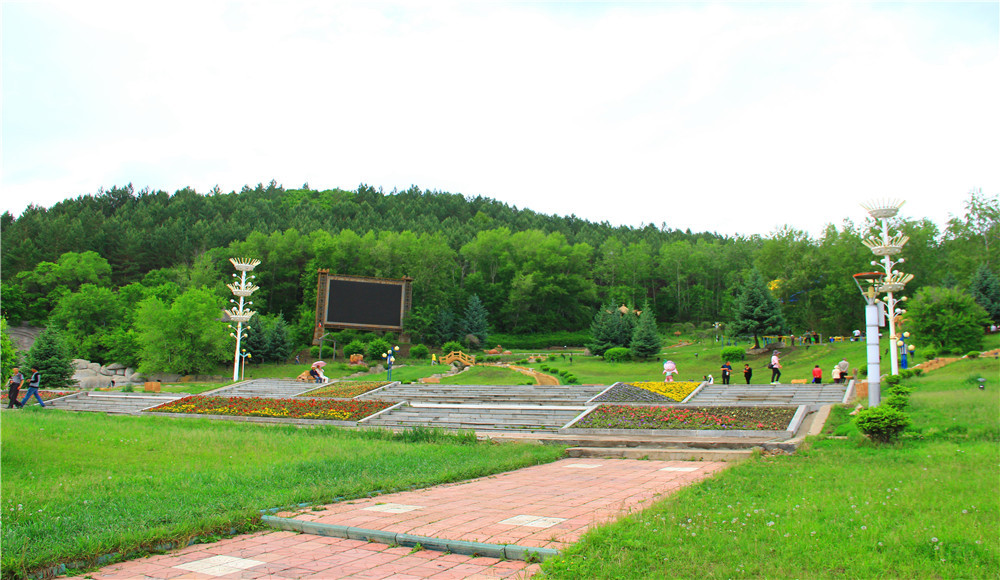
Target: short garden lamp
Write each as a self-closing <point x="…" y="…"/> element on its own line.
<point x="873" y="319"/>
<point x="904" y="349"/>
<point x="388" y="356"/>
<point x="243" y="362"/>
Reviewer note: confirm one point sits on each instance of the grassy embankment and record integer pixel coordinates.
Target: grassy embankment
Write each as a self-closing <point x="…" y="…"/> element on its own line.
<point x="79" y="485"/>
<point x="926" y="507"/>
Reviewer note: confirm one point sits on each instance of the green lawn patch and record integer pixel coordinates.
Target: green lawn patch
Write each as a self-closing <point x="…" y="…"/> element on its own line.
<point x="926" y="507"/>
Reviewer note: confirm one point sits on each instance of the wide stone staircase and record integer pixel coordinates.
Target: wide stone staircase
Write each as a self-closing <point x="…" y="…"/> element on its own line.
<point x="483" y="407"/>
<point x="270" y="388"/>
<point x="791" y="394"/>
<point x="116" y="402"/>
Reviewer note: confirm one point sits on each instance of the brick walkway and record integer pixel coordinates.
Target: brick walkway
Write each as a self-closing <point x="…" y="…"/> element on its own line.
<point x="545" y="506"/>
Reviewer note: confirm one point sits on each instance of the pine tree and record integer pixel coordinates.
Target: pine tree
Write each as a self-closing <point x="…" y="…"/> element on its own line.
<point x="610" y="329"/>
<point x="8" y="352"/>
<point x="646" y="341"/>
<point x="756" y="311"/>
<point x="50" y="355"/>
<point x="985" y="290"/>
<point x="475" y="321"/>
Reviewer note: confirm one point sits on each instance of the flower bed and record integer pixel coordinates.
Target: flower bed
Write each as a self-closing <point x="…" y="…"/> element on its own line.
<point x="284" y="408"/>
<point x="45" y="395"/>
<point x="648" y="392"/>
<point x="701" y="418"/>
<point x="345" y="390"/>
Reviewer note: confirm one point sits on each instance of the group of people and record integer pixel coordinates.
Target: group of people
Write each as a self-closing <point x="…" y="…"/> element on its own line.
<point x="839" y="371"/>
<point x="14" y="387"/>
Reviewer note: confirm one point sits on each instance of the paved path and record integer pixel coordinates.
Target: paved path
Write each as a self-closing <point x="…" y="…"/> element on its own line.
<point x="546" y="506"/>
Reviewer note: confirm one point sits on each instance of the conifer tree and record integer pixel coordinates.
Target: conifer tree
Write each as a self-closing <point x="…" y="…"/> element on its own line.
<point x="8" y="352"/>
<point x="475" y="321"/>
<point x="50" y="355"/>
<point x="646" y="341"/>
<point x="756" y="312"/>
<point x="985" y="290"/>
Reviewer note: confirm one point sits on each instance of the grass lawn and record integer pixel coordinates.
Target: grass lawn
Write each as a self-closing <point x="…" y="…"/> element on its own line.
<point x="926" y="507"/>
<point x="77" y="485"/>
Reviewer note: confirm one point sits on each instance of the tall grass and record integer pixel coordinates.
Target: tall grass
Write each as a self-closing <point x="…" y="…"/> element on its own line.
<point x="77" y="485"/>
<point x="926" y="507"/>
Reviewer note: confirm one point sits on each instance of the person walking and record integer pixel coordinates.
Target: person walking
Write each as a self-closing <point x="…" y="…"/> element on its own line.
<point x="775" y="368"/>
<point x="727" y="369"/>
<point x="13" y="388"/>
<point x="33" y="384"/>
<point x="747" y="372"/>
<point x="817" y="375"/>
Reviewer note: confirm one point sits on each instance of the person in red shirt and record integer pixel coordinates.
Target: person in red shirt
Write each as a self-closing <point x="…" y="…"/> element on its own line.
<point x="817" y="374"/>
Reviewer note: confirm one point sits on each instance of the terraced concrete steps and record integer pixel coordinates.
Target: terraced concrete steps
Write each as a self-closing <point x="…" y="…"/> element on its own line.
<point x="270" y="388"/>
<point x="116" y="403"/>
<point x="808" y="394"/>
<point x="480" y="417"/>
<point x="486" y="394"/>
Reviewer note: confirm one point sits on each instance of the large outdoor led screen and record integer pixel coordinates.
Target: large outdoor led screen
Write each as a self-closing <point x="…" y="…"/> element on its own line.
<point x="362" y="302"/>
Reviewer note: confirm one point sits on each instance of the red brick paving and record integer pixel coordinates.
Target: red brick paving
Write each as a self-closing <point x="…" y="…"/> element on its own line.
<point x="577" y="497"/>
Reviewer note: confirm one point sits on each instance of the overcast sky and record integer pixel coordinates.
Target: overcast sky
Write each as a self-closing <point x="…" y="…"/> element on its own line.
<point x="734" y="117"/>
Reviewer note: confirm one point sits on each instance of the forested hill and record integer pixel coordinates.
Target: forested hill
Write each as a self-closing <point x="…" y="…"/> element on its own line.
<point x="532" y="272"/>
<point x="142" y="231"/>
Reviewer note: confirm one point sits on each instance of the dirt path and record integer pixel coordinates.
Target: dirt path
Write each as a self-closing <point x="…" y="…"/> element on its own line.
<point x="540" y="378"/>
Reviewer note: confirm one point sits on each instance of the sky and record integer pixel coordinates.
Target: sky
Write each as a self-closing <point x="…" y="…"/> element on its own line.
<point x="732" y="117"/>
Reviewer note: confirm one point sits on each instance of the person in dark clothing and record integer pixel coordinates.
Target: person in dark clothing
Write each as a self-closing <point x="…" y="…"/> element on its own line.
<point x="727" y="369"/>
<point x="13" y="388"/>
<point x="747" y="372"/>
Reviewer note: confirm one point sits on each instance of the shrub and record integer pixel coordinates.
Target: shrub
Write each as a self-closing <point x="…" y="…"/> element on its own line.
<point x="929" y="353"/>
<point x="882" y="424"/>
<point x="376" y="349"/>
<point x="898" y="402"/>
<point x="973" y="354"/>
<point x="918" y="372"/>
<point x="543" y="368"/>
<point x="899" y="389"/>
<point x="354" y="347"/>
<point x="328" y="352"/>
<point x="419" y="351"/>
<point x="617" y="354"/>
<point x="553" y="371"/>
<point x="733" y="353"/>
<point x="571" y="379"/>
<point x="905" y="373"/>
<point x="450" y="346"/>
<point x="893" y="380"/>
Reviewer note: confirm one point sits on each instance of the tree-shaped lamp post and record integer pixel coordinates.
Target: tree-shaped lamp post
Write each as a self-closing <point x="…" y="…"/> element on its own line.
<point x="388" y="356"/>
<point x="904" y="349"/>
<point x="894" y="280"/>
<point x="872" y="318"/>
<point x="242" y="289"/>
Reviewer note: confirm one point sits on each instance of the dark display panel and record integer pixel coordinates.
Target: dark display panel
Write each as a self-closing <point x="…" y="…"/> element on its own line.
<point x="364" y="303"/>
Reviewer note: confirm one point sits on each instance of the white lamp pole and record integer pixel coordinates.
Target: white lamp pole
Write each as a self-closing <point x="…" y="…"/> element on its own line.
<point x="894" y="280"/>
<point x="242" y="289"/>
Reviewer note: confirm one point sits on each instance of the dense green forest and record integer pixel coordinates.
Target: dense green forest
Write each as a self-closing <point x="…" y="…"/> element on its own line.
<point x="91" y="265"/>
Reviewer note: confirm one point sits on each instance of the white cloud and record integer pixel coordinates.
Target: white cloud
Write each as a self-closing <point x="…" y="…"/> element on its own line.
<point x="725" y="117"/>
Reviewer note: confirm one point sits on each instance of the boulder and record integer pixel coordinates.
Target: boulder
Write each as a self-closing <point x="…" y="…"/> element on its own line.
<point x="115" y="367"/>
<point x="95" y="382"/>
<point x="79" y="363"/>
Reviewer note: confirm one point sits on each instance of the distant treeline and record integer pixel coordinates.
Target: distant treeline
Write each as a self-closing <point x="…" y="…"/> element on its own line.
<point x="532" y="272"/>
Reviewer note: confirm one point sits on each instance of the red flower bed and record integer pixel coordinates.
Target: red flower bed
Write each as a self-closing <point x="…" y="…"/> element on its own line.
<point x="262" y="407"/>
<point x="45" y="395"/>
<point x="661" y="417"/>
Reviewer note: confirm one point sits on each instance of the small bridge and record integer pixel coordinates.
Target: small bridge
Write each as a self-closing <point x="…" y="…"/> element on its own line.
<point x="457" y="355"/>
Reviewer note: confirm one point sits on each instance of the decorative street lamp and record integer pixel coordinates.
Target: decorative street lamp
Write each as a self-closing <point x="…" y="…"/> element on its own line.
<point x="872" y="319"/>
<point x="388" y="356"/>
<point x="894" y="280"/>
<point x="242" y="289"/>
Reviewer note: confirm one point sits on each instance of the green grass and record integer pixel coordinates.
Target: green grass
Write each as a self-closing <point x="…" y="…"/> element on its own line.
<point x="77" y="485"/>
<point x="926" y="507"/>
